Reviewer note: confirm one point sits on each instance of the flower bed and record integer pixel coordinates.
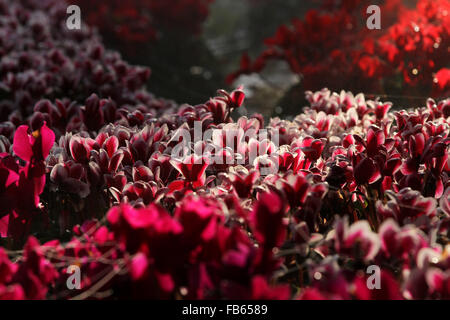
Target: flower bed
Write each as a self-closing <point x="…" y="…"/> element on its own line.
<point x="90" y="178"/>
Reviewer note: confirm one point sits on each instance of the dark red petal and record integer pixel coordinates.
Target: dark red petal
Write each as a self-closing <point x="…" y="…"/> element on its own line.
<point x="111" y="145"/>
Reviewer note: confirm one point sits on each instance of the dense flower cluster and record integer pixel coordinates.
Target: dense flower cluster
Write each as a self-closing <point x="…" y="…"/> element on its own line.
<point x="357" y="185"/>
<point x="334" y="48"/>
<point x="347" y="184"/>
<point x="42" y="59"/>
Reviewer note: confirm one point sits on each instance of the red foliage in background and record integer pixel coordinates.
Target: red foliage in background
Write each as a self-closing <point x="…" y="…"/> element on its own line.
<point x="334" y="48"/>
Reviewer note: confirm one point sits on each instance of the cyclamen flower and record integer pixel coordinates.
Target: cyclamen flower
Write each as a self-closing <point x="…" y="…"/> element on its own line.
<point x="312" y="148"/>
<point x="235" y="98"/>
<point x="358" y="241"/>
<point x="34" y="147"/>
<point x="193" y="169"/>
<point x="267" y="220"/>
<point x="29" y="180"/>
<point x="138" y="229"/>
<point x="80" y="148"/>
<point x="438" y="283"/>
<point x="295" y="187"/>
<point x="35" y="273"/>
<point x="407" y="206"/>
<point x="401" y="243"/>
<point x="365" y="170"/>
<point x="389" y="288"/>
<point x="243" y="181"/>
<point x="199" y="218"/>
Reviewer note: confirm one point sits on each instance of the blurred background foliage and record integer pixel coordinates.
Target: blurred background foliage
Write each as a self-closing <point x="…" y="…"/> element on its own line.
<point x="192" y="46"/>
<point x="189" y="67"/>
